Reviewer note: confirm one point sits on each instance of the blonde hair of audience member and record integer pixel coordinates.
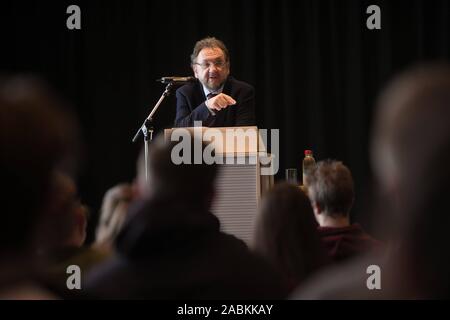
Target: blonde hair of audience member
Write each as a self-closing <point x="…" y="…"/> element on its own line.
<point x="115" y="205"/>
<point x="286" y="234"/>
<point x="113" y="214"/>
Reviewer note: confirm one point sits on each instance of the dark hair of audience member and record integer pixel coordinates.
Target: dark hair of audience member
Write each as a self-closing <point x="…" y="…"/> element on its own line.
<point x="286" y="234"/>
<point x="191" y="181"/>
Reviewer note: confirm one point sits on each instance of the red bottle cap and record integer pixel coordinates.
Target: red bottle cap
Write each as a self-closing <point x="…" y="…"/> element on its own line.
<point x="308" y="152"/>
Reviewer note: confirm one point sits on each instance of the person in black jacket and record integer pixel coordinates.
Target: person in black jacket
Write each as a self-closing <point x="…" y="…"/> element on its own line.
<point x="172" y="247"/>
<point x="216" y="99"/>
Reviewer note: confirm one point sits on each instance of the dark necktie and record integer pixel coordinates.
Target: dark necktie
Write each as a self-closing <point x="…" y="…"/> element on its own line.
<point x="209" y="96"/>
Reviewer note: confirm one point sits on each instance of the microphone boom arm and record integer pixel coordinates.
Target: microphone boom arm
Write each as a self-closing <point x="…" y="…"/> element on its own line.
<point x="146" y="128"/>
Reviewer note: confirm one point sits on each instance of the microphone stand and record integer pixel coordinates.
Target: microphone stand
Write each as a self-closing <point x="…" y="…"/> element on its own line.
<point x="147" y="127"/>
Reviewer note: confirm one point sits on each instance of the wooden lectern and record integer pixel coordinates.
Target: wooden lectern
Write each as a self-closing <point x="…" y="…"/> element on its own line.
<point x="239" y="184"/>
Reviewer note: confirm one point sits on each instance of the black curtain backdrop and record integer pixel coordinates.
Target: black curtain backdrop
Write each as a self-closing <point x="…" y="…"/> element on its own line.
<point x="316" y="68"/>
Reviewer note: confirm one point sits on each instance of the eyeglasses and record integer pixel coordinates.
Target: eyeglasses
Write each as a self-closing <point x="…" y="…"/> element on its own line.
<point x="206" y="65"/>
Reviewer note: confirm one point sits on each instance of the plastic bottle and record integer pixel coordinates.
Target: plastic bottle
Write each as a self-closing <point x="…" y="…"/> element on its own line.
<point x="308" y="164"/>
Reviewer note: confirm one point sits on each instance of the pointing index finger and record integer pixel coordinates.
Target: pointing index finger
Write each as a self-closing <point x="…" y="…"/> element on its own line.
<point x="229" y="99"/>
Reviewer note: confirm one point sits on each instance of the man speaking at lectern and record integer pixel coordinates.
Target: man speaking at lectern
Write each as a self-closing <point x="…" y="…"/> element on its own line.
<point x="216" y="98"/>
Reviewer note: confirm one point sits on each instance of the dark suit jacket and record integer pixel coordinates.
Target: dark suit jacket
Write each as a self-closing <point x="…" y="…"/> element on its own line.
<point x="191" y="106"/>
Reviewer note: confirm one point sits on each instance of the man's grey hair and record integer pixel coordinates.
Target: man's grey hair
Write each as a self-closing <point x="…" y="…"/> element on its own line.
<point x="209" y="42"/>
<point x="330" y="185"/>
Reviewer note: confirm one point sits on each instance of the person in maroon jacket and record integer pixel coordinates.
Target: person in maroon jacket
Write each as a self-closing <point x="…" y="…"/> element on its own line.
<point x="331" y="191"/>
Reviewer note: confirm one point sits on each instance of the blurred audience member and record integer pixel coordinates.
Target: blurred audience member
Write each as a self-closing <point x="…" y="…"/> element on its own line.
<point x="410" y="153"/>
<point x="410" y="156"/>
<point x="115" y="207"/>
<point x="60" y="243"/>
<point x="36" y="137"/>
<point x="332" y="194"/>
<point x="113" y="215"/>
<point x="286" y="234"/>
<point x="171" y="246"/>
<point x="65" y="220"/>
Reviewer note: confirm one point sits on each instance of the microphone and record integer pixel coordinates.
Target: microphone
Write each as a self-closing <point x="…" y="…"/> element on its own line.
<point x="177" y="80"/>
